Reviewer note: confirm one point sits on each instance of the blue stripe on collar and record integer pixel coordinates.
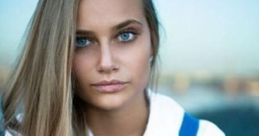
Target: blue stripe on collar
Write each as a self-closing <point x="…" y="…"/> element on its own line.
<point x="190" y="126"/>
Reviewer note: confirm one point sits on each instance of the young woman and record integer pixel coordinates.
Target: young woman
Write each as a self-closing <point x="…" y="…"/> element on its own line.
<point x="85" y="71"/>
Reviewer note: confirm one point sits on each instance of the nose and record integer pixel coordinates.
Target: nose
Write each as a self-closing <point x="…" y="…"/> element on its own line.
<point x="106" y="63"/>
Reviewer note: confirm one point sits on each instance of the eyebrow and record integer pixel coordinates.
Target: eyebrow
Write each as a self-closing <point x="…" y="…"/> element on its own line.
<point x="126" y="23"/>
<point x="116" y="27"/>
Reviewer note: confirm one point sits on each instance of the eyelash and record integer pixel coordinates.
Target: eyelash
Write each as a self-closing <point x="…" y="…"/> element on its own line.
<point x="85" y="39"/>
<point x="133" y="33"/>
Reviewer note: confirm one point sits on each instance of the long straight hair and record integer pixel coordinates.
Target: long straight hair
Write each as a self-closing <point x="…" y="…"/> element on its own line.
<point x="41" y="84"/>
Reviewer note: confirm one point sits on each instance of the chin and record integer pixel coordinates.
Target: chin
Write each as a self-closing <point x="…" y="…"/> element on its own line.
<point x="109" y="102"/>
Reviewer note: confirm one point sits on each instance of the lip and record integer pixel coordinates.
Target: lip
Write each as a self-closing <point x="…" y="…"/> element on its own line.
<point x="109" y="86"/>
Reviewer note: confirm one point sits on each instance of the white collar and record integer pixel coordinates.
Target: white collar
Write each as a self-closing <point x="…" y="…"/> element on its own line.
<point x="165" y="116"/>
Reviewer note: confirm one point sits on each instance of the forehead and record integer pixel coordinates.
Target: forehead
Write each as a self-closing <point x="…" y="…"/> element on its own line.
<point x="97" y="13"/>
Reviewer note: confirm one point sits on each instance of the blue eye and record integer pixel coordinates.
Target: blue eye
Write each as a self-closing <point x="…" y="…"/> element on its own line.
<point x="82" y="42"/>
<point x="126" y="36"/>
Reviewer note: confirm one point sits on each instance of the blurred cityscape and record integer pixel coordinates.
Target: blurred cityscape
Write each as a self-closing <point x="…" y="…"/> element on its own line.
<point x="229" y="84"/>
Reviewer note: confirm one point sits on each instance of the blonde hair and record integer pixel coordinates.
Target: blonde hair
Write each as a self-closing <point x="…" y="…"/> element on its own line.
<point x="41" y="85"/>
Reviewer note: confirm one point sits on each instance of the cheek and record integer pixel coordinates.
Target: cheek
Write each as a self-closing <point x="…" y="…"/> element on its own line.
<point x="140" y="69"/>
<point x="81" y="67"/>
<point x="77" y="65"/>
<point x="139" y="65"/>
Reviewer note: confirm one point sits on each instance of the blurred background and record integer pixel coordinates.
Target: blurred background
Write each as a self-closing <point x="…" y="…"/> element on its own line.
<point x="209" y="59"/>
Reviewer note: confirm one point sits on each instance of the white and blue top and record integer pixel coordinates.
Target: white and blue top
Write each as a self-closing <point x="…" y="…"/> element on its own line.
<point x="167" y="118"/>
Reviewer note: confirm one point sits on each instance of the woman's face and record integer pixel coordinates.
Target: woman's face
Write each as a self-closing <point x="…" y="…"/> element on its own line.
<point x="113" y="47"/>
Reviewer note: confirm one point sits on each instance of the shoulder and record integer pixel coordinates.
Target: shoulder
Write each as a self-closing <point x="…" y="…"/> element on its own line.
<point x="208" y="128"/>
<point x="167" y="118"/>
<point x="192" y="126"/>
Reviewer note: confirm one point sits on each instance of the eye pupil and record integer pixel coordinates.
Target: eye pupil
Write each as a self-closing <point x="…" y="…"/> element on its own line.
<point x="81" y="41"/>
<point x="125" y="36"/>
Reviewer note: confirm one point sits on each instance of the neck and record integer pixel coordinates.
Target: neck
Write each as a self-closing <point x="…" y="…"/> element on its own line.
<point x="130" y="119"/>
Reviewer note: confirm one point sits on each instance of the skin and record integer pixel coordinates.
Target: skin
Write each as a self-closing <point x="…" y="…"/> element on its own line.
<point x="101" y="22"/>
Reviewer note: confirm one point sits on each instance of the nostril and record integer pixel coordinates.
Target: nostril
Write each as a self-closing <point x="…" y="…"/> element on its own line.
<point x="108" y="69"/>
<point x="107" y="65"/>
<point x="106" y="62"/>
<point x="115" y="68"/>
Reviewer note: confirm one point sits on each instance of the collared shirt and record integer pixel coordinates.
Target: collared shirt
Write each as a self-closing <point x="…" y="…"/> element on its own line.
<point x="166" y="118"/>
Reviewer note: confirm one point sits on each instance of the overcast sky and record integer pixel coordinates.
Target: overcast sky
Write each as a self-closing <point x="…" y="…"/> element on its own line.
<point x="215" y="36"/>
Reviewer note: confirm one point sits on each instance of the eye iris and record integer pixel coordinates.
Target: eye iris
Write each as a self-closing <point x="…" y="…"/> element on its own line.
<point x="81" y="42"/>
<point x="126" y="36"/>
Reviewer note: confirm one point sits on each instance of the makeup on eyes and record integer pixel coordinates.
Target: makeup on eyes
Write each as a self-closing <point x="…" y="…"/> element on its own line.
<point x="123" y="31"/>
<point x="84" y="38"/>
<point x="81" y="42"/>
<point x="126" y="36"/>
<point x="128" y="33"/>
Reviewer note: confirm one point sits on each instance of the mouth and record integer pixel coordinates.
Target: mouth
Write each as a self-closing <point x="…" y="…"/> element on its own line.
<point x="109" y="86"/>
